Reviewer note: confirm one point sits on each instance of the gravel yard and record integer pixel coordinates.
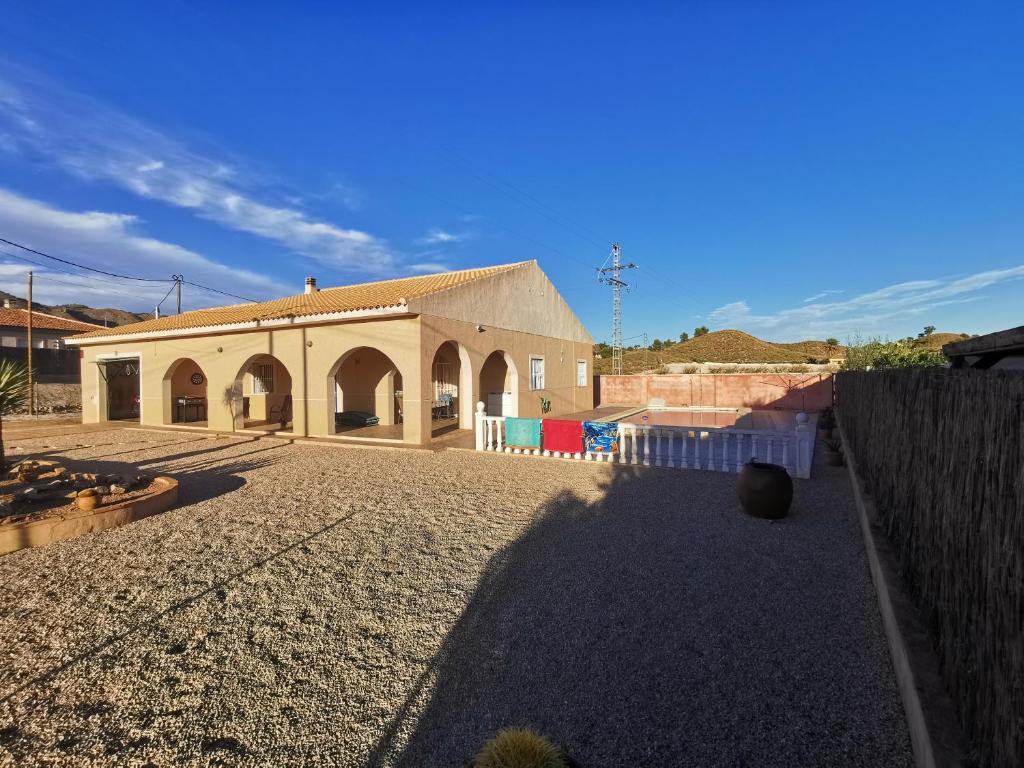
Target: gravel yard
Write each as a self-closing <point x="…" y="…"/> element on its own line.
<point x="319" y="605"/>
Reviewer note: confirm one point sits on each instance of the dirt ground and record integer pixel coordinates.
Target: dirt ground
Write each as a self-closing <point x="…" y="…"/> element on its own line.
<point x="322" y="605"/>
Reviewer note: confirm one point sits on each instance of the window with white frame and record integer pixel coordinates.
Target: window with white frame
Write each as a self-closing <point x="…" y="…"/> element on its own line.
<point x="581" y="373"/>
<point x="262" y="378"/>
<point x="536" y="373"/>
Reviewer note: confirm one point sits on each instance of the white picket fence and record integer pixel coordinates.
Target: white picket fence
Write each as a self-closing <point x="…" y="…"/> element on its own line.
<point x="722" y="450"/>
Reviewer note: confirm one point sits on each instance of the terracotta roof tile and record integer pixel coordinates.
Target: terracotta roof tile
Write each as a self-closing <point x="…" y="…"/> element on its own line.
<point x="347" y="298"/>
<point x="18" y="318"/>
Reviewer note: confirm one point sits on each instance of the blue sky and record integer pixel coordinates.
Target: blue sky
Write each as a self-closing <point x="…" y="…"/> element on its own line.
<point x="792" y="169"/>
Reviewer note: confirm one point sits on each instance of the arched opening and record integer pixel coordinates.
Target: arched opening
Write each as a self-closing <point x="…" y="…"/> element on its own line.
<point x="262" y="395"/>
<point x="499" y="385"/>
<point x="367" y="395"/>
<point x="184" y="394"/>
<point x="451" y="389"/>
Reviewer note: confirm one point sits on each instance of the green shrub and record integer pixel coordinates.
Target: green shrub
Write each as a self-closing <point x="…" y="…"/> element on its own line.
<point x="891" y="354"/>
<point x="519" y="748"/>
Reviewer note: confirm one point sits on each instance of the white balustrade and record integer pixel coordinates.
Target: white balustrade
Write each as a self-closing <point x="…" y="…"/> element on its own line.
<point x="490" y="430"/>
<point x="723" y="450"/>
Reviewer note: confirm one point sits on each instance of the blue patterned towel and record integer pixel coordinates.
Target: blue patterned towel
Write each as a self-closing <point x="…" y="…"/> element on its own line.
<point x="601" y="436"/>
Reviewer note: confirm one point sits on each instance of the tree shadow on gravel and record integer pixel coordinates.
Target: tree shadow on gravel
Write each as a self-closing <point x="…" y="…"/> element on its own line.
<point x="656" y="625"/>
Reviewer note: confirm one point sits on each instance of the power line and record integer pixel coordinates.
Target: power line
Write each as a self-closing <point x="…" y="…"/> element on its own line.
<point x="565" y="222"/>
<point x="82" y="266"/>
<point x="538" y="206"/>
<point x="215" y="290"/>
<point x="44" y="265"/>
<point x="175" y="280"/>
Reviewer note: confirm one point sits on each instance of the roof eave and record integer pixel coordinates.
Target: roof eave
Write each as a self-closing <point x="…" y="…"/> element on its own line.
<point x="251" y="325"/>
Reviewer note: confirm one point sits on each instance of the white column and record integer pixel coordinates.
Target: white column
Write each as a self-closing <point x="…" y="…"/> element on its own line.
<point x="803" y="446"/>
<point x="479" y="425"/>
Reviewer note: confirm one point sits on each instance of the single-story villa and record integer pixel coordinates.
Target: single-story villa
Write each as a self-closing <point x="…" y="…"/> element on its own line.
<point x="398" y="360"/>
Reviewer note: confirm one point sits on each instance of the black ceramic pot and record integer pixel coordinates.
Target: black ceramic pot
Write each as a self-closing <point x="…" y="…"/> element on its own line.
<point x="765" y="490"/>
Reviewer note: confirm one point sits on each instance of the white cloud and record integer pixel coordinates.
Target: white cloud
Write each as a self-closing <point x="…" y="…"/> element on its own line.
<point x="865" y="313"/>
<point x="95" y="142"/>
<point x="111" y="242"/>
<point x="437" y="235"/>
<point x="429" y="267"/>
<point x="821" y="295"/>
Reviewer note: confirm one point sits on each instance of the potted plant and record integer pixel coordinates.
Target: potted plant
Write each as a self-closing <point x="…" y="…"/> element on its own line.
<point x="834" y="453"/>
<point x="87" y="500"/>
<point x="826" y="423"/>
<point x="765" y="490"/>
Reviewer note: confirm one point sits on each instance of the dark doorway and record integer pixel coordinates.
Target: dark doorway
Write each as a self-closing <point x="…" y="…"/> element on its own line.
<point x="122" y="379"/>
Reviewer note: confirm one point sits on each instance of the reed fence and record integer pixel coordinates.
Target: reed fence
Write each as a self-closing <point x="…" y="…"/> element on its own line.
<point x="942" y="453"/>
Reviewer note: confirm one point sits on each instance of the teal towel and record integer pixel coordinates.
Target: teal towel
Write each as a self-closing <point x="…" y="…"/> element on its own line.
<point x="522" y="433"/>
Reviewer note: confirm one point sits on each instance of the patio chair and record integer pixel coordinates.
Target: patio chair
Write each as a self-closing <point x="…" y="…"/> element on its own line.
<point x="448" y="402"/>
<point x="284" y="412"/>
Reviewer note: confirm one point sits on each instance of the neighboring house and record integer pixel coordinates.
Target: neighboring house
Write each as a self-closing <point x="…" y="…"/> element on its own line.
<point x="999" y="351"/>
<point x="51" y="361"/>
<point x="410" y="351"/>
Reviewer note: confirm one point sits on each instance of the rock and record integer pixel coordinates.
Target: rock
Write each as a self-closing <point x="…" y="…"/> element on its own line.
<point x="35" y="494"/>
<point x="117" y="490"/>
<point x="101" y="490"/>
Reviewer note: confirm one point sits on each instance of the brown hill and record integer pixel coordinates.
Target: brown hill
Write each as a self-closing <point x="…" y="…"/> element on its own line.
<point x="817" y="350"/>
<point x="100" y="316"/>
<point x="728" y="346"/>
<point x="938" y="340"/>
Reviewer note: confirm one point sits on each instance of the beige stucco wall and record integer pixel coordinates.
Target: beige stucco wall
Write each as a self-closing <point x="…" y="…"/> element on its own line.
<point x="522" y="299"/>
<point x="559" y="355"/>
<point x="313" y="355"/>
<point x="310" y="354"/>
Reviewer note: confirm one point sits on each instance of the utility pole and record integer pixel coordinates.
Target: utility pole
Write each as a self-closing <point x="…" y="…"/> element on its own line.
<point x="612" y="276"/>
<point x="31" y="384"/>
<point x="645" y="352"/>
<point x="177" y="280"/>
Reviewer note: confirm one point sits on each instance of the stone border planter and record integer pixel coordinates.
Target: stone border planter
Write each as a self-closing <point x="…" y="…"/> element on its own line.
<point x="38" y="533"/>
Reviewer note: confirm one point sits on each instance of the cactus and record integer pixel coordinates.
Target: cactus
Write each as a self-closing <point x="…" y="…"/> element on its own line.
<point x="519" y="748"/>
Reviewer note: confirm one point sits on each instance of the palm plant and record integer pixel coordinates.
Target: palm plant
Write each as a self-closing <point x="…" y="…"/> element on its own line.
<point x="13" y="394"/>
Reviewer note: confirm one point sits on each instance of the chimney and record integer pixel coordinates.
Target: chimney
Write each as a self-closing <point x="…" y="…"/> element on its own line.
<point x="311" y="285"/>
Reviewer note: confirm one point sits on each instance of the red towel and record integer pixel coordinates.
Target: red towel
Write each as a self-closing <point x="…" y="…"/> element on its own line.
<point x="563" y="435"/>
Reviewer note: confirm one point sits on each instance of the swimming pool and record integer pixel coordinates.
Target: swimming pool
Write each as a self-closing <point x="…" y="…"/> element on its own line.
<point x="760" y="419"/>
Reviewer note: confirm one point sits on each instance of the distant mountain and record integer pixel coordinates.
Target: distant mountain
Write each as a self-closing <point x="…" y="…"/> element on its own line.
<point x="102" y="316"/>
